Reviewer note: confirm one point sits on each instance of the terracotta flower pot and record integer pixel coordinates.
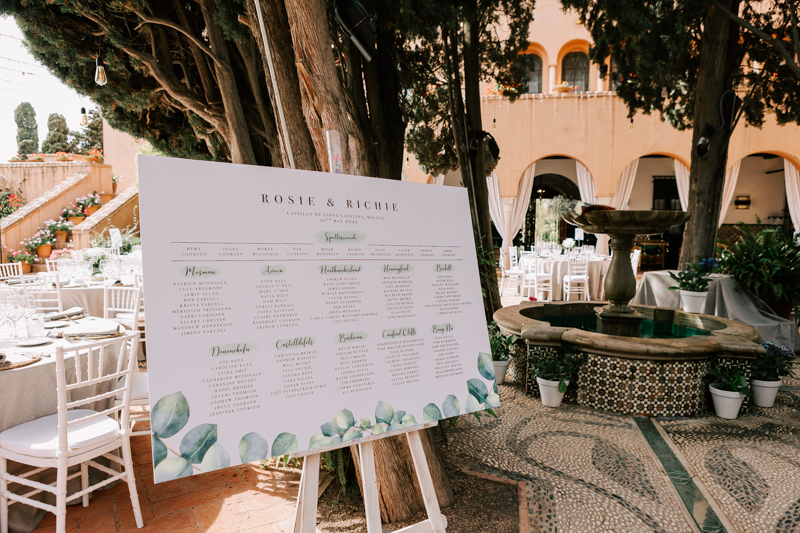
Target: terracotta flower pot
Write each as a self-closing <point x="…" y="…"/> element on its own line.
<point x="76" y="220"/>
<point x="26" y="267"/>
<point x="95" y="160"/>
<point x="44" y="250"/>
<point x="105" y="198"/>
<point x="114" y="188"/>
<point x="91" y="210"/>
<point x="61" y="236"/>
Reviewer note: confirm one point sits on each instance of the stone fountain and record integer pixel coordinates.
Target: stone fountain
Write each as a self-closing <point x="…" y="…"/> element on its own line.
<point x="639" y="359"/>
<point x="618" y="318"/>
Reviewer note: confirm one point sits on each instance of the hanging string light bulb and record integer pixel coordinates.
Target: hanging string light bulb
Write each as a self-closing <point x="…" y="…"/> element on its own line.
<point x="84" y="118"/>
<point x="494" y="123"/>
<point x="100" y="77"/>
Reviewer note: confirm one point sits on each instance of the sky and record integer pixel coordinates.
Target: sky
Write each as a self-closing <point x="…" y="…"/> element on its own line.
<point x="23" y="79"/>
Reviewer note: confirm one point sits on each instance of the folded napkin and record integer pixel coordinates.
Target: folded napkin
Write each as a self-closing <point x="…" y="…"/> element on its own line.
<point x="92" y="329"/>
<point x="72" y="312"/>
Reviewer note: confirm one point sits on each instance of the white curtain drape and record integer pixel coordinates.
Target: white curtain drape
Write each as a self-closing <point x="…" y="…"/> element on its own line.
<point x="518" y="209"/>
<point x="585" y="183"/>
<point x="792" y="176"/>
<point x="731" y="177"/>
<point x="682" y="179"/>
<point x="625" y="186"/>
<point x="438" y="180"/>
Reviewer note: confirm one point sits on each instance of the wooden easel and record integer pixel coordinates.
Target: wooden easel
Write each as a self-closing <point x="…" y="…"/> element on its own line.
<point x="305" y="518"/>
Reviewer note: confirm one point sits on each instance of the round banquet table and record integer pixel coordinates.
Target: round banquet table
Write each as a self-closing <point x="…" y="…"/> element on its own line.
<point x="89" y="297"/>
<point x="28" y="393"/>
<point x="559" y="267"/>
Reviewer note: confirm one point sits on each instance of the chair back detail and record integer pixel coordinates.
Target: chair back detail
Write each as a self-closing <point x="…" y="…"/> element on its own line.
<point x="45" y="290"/>
<point x="512" y="257"/>
<point x="10" y="269"/>
<point x="123" y="300"/>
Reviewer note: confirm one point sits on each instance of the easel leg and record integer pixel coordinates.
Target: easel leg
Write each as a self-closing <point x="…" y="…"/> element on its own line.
<point x="369" y="483"/>
<point x="438" y="521"/>
<point x="305" y="518"/>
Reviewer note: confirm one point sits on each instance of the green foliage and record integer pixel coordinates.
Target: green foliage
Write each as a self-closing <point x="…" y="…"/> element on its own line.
<point x="654" y="49"/>
<point x="503" y="345"/>
<point x="730" y="379"/>
<point x="766" y="263"/>
<point x="130" y="238"/>
<point x="58" y="136"/>
<point x="91" y="136"/>
<point x="27" y="134"/>
<point x="559" y="367"/>
<point x="696" y="277"/>
<point x="776" y="363"/>
<point x="10" y="200"/>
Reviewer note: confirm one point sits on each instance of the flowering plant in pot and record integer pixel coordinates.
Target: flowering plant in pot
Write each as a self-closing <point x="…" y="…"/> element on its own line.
<point x="20" y="256"/>
<point x="41" y="242"/>
<point x="17" y="159"/>
<point x="64" y="253"/>
<point x="554" y="372"/>
<point x="728" y="391"/>
<point x="63" y="156"/>
<point x="37" y="158"/>
<point x="768" y="371"/>
<point x="10" y="201"/>
<point x="89" y="204"/>
<point x="503" y="346"/>
<point x="96" y="155"/>
<point x="59" y="228"/>
<point x="693" y="284"/>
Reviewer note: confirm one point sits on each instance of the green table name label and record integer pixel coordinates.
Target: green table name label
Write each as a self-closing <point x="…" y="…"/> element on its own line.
<point x="397" y="269"/>
<point x="240" y="348"/>
<point x="340" y="237"/>
<point x="441" y="328"/>
<point x="199" y="271"/>
<point x="353" y="336"/>
<point x="399" y="332"/>
<point x="339" y="269"/>
<point x="273" y="270"/>
<point x="444" y="267"/>
<point x="297" y="342"/>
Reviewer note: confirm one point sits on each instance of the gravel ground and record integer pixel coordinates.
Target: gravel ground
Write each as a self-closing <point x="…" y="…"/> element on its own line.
<point x="481" y="506"/>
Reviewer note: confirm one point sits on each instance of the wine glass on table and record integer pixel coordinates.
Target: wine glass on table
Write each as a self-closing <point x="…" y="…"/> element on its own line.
<point x="15" y="310"/>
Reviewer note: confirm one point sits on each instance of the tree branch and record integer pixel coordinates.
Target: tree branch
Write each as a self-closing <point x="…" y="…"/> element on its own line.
<point x="795" y="34"/>
<point x="177" y="27"/>
<point x="776" y="44"/>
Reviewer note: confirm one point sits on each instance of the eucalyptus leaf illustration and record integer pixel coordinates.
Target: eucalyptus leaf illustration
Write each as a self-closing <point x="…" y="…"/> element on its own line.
<point x="384" y="413"/>
<point x="169" y="415"/>
<point x="215" y="458"/>
<point x="397" y="421"/>
<point x="197" y="441"/>
<point x="472" y="404"/>
<point x="344" y="420"/>
<point x="478" y="389"/>
<point x="336" y="440"/>
<point x="365" y="423"/>
<point x="351" y="434"/>
<point x="284" y="444"/>
<point x="431" y="413"/>
<point x="451" y="407"/>
<point x="377" y="429"/>
<point x="485" y="365"/>
<point x="409" y="421"/>
<point x="253" y="447"/>
<point x="329" y="429"/>
<point x="172" y="468"/>
<point x="494" y="387"/>
<point x="493" y="400"/>
<point x="319" y="440"/>
<point x="159" y="450"/>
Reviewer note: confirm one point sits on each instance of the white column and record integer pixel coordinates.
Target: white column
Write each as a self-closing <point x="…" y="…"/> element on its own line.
<point x="599" y="80"/>
<point x="508" y="212"/>
<point x="552" y="78"/>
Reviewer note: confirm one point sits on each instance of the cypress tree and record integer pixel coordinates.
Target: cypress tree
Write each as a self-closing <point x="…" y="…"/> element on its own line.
<point x="27" y="134"/>
<point x="58" y="136"/>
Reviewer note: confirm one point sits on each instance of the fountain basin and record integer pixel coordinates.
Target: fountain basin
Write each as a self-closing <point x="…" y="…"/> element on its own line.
<point x="653" y="376"/>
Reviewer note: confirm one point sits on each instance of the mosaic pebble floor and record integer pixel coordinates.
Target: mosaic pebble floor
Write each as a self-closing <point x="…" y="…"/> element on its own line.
<point x="751" y="465"/>
<point x="586" y="471"/>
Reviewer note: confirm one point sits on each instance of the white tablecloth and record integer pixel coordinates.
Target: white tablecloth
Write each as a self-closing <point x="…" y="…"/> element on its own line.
<point x="89" y="298"/>
<point x="559" y="267"/>
<point x="28" y="393"/>
<point x="726" y="299"/>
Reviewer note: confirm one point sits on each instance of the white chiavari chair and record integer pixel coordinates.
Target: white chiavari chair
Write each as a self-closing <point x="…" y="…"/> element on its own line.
<point x="77" y="434"/>
<point x="8" y="270"/>
<point x="577" y="279"/>
<point x="45" y="289"/>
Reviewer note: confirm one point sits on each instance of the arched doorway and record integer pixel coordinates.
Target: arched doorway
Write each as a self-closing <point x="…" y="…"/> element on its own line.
<point x="548" y="186"/>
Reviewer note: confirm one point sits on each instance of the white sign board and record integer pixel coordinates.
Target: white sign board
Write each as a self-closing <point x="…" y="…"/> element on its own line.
<point x="289" y="310"/>
<point x="116" y="237"/>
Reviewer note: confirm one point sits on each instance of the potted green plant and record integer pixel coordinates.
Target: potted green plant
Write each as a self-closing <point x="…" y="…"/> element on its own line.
<point x="23" y="257"/>
<point x="502" y="347"/>
<point x="767" y="373"/>
<point x="89" y="204"/>
<point x="767" y="264"/>
<point x="553" y="373"/>
<point x="693" y="284"/>
<point x="60" y="229"/>
<point x="41" y="242"/>
<point x="73" y="213"/>
<point x="728" y="391"/>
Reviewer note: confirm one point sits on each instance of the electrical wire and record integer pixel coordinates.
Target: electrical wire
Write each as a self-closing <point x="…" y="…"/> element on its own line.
<point x="10" y="37"/>
<point x="22" y="62"/>
<point x="24" y="73"/>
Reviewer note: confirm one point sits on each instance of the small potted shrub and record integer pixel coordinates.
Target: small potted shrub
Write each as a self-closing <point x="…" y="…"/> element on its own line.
<point x="693" y="284"/>
<point x="24" y="257"/>
<point x="73" y="213"/>
<point x="553" y="373"/>
<point x="728" y="391"/>
<point x="502" y="347"/>
<point x="767" y="373"/>
<point x="60" y="229"/>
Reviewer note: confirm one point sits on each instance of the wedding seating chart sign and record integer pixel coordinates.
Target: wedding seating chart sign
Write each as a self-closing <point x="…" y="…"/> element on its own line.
<point x="290" y="310"/>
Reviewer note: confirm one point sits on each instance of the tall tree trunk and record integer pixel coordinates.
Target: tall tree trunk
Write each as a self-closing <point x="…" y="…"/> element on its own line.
<point x="238" y="131"/>
<point x="276" y="23"/>
<point x="475" y="126"/>
<point x="327" y="106"/>
<point x="398" y="489"/>
<point x="707" y="174"/>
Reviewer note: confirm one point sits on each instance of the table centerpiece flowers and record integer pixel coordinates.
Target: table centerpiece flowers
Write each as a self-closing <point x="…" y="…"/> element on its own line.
<point x="94" y="256"/>
<point x="20" y="256"/>
<point x="568" y="243"/>
<point x="693" y="284"/>
<point x="59" y="228"/>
